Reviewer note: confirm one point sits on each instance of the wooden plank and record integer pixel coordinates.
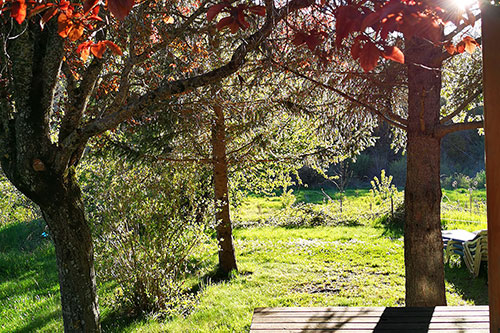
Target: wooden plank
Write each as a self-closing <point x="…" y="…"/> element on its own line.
<point x="373" y="313"/>
<point x="353" y="325"/>
<point x="373" y="319"/>
<point x="451" y="330"/>
<point x="375" y="308"/>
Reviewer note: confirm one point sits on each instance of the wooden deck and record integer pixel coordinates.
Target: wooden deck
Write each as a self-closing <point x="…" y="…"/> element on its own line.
<point x="443" y="319"/>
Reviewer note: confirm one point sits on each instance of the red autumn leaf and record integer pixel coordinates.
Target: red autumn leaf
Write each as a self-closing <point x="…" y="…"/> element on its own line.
<point x="258" y="10"/>
<point x="370" y="20"/>
<point x="120" y="8"/>
<point x="470" y="44"/>
<point x="312" y="41"/>
<point x="450" y="48"/>
<point x="95" y="14"/>
<point x="98" y="49"/>
<point x="214" y="10"/>
<point x="355" y="50"/>
<point x="368" y="56"/>
<point x="113" y="47"/>
<point x="226" y="21"/>
<point x="388" y="25"/>
<point x="1" y="4"/>
<point x="348" y="20"/>
<point x="88" y="5"/>
<point x="408" y="25"/>
<point x="65" y="6"/>
<point x="47" y="16"/>
<point x="234" y="26"/>
<point x="38" y="9"/>
<point x="18" y="11"/>
<point x="242" y="21"/>
<point x="393" y="53"/>
<point x="76" y="31"/>
<point x="64" y="25"/>
<point x="84" y="50"/>
<point x="299" y="38"/>
<point x="461" y="47"/>
<point x="430" y="29"/>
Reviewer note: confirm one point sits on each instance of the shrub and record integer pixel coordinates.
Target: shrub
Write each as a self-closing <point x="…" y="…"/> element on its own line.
<point x="461" y="181"/>
<point x="480" y="179"/>
<point x="147" y="222"/>
<point x="14" y="206"/>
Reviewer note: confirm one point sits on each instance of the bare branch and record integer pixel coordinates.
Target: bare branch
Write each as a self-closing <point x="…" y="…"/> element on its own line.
<point x="390" y="117"/>
<point x="78" y="96"/>
<point x="442" y="130"/>
<point x="461" y="27"/>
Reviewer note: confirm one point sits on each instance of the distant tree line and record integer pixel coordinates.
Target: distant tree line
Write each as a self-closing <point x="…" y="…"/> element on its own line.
<point x="462" y="163"/>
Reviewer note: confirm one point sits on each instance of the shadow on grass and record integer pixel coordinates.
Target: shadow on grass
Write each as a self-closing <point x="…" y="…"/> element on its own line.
<point x="28" y="271"/>
<point x="119" y="321"/>
<point x="214" y="277"/>
<point x="474" y="289"/>
<point x="23" y="236"/>
<point x="39" y="322"/>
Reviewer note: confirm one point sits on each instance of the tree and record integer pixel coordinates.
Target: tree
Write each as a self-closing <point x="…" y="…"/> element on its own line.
<point x="424" y="41"/>
<point x="381" y="29"/>
<point x="46" y="119"/>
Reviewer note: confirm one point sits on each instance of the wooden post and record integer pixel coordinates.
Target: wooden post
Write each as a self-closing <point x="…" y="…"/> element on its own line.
<point x="491" y="88"/>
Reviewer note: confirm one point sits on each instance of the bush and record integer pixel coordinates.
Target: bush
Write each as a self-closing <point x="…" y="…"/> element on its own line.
<point x="480" y="179"/>
<point x="461" y="181"/>
<point x="147" y="222"/>
<point x="14" y="206"/>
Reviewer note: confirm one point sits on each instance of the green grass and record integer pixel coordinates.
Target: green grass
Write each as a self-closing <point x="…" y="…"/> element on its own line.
<point x="361" y="265"/>
<point x="29" y="293"/>
<point x="321" y="266"/>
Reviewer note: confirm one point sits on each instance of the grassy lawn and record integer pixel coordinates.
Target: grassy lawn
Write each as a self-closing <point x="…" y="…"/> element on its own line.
<point x="358" y="265"/>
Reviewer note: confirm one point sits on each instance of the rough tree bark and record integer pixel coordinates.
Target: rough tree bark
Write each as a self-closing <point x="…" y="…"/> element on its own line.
<point x="64" y="213"/>
<point x="28" y="158"/>
<point x="423" y="245"/>
<point x="227" y="258"/>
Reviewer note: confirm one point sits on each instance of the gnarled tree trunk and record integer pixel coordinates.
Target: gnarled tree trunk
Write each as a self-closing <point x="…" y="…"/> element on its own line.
<point x="33" y="163"/>
<point x="227" y="258"/>
<point x="75" y="259"/>
<point x="423" y="244"/>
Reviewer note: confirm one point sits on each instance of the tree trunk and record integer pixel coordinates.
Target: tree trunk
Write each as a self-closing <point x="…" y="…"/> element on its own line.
<point x="227" y="258"/>
<point x="29" y="159"/>
<point x="75" y="260"/>
<point x="423" y="244"/>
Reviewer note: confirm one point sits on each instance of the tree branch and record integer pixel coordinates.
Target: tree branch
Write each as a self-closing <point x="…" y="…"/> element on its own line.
<point x="461" y="107"/>
<point x="390" y="117"/>
<point x="78" y="96"/>
<point x="442" y="130"/>
<point x="460" y="28"/>
<point x="170" y="88"/>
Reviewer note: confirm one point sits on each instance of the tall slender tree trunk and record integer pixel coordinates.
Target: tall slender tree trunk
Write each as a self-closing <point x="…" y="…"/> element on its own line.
<point x="423" y="244"/>
<point x="227" y="258"/>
